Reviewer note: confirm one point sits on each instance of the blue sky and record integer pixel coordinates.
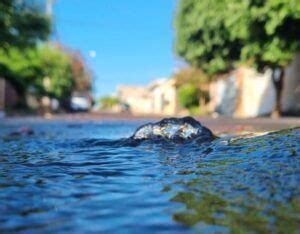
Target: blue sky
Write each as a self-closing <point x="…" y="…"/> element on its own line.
<point x="133" y="39"/>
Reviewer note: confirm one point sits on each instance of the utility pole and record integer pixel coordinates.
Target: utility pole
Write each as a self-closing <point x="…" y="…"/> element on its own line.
<point x="49" y="7"/>
<point x="49" y="13"/>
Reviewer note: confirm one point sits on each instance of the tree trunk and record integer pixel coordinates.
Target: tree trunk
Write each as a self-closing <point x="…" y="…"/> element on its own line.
<point x="277" y="78"/>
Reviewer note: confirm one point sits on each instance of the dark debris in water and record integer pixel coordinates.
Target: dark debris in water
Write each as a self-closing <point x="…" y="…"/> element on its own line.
<point x="175" y="130"/>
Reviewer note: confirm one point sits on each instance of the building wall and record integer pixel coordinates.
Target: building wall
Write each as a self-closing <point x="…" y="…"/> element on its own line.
<point x="159" y="97"/>
<point x="225" y="95"/>
<point x="247" y="93"/>
<point x="136" y="97"/>
<point x="139" y="105"/>
<point x="164" y="98"/>
<point x="256" y="93"/>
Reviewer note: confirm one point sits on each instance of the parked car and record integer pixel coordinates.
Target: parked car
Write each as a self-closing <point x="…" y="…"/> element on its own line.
<point x="80" y="103"/>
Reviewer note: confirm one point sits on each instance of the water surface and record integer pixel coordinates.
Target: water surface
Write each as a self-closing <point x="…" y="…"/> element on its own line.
<point x="77" y="177"/>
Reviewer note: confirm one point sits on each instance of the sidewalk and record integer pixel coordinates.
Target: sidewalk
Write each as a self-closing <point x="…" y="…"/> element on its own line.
<point x="261" y="124"/>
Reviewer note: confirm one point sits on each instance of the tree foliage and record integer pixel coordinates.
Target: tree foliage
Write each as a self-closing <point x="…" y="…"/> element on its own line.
<point x="215" y="35"/>
<point x="22" y="24"/>
<point x="269" y="31"/>
<point x="190" y="75"/>
<point x="31" y="64"/>
<point x="82" y="76"/>
<point x="192" y="84"/>
<point x="108" y="102"/>
<point x="202" y="37"/>
<point x="32" y="68"/>
<point x="55" y="66"/>
<point x="188" y="96"/>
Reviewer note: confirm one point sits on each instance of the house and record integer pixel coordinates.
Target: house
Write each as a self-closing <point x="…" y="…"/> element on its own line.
<point x="164" y="97"/>
<point x="136" y="97"/>
<point x="159" y="97"/>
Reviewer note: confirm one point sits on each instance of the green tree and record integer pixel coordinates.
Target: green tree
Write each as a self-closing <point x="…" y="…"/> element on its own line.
<point x="192" y="84"/>
<point x="55" y="66"/>
<point x="216" y="34"/>
<point x="108" y="102"/>
<point x="22" y="23"/>
<point x="202" y="37"/>
<point x="30" y="64"/>
<point x="81" y="74"/>
<point x="188" y="96"/>
<point x="45" y="70"/>
<point x="14" y="66"/>
<point x="190" y="75"/>
<point x="22" y="26"/>
<point x="271" y="38"/>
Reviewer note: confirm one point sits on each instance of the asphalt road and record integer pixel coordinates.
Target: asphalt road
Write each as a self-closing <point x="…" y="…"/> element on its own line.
<point x="218" y="125"/>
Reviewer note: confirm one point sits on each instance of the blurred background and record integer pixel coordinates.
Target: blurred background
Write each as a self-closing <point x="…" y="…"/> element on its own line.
<point x="158" y="58"/>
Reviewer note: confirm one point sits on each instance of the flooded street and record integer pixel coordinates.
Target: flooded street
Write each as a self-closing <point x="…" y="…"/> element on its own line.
<point x="150" y="116"/>
<point x="78" y="177"/>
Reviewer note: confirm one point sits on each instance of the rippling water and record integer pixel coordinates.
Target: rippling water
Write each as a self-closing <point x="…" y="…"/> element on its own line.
<point x="78" y="177"/>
